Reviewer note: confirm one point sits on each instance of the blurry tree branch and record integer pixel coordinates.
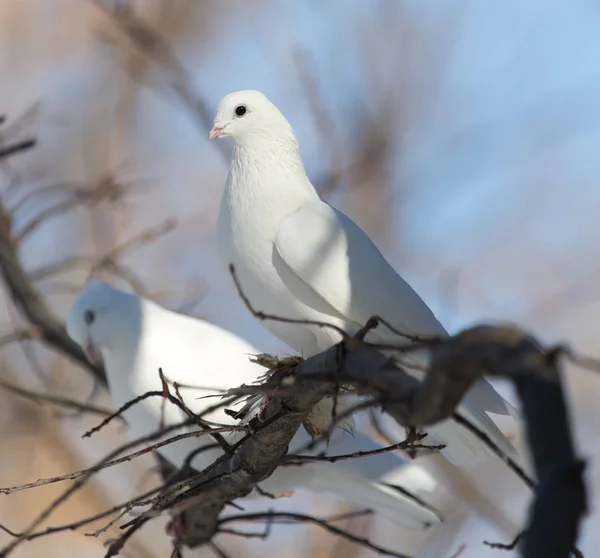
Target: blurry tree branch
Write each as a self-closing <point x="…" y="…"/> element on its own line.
<point x="499" y="351"/>
<point x="21" y="284"/>
<point x="153" y="49"/>
<point x="31" y="303"/>
<point x="271" y="518"/>
<point x="64" y="402"/>
<point x="16" y="148"/>
<point x="560" y="499"/>
<point x="455" y="364"/>
<point x="28" y="299"/>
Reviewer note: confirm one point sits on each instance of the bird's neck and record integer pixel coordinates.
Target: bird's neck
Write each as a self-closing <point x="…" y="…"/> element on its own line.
<point x="264" y="150"/>
<point x="121" y="342"/>
<point x="270" y="172"/>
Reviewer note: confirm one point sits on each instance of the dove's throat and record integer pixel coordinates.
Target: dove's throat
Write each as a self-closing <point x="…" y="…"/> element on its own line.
<point x="269" y="156"/>
<point x="268" y="178"/>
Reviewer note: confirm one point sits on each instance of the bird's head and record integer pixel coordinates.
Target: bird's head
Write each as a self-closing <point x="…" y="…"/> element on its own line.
<point x="90" y="321"/>
<point x="246" y="116"/>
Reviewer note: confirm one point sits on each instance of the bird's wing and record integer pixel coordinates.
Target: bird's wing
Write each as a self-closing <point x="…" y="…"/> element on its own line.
<point x="342" y="269"/>
<point x="464" y="448"/>
<point x="384" y="482"/>
<point x="195" y="353"/>
<point x="396" y="503"/>
<point x="200" y="353"/>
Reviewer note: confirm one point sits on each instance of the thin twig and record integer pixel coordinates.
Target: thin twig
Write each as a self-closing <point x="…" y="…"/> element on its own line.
<point x="271" y="317"/>
<point x="7" y="530"/>
<point x="294" y="459"/>
<point x="55" y="400"/>
<point x="459" y="551"/>
<point x="153" y="46"/>
<point x="124" y="459"/>
<point x="218" y="550"/>
<point x="28" y="299"/>
<point x="78" y="484"/>
<point x="16" y="148"/>
<point x="137" y="501"/>
<point x="119" y="412"/>
<point x="324" y="524"/>
<point x="512" y="464"/>
<point x="106" y="527"/>
<point x="510" y="546"/>
<point x="424" y="340"/>
<point x="116" y="546"/>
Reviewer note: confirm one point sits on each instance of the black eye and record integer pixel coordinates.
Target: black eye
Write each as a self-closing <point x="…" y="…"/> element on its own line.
<point x="240" y="110"/>
<point x="89" y="317"/>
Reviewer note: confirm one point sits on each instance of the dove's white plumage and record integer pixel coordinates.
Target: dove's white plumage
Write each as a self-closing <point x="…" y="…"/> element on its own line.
<point x="297" y="257"/>
<point x="136" y="337"/>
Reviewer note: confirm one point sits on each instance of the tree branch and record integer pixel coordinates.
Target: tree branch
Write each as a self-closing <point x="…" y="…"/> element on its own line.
<point x="32" y="304"/>
<point x="16" y="148"/>
<point x="456" y="363"/>
<point x="55" y="400"/>
<point x="272" y="517"/>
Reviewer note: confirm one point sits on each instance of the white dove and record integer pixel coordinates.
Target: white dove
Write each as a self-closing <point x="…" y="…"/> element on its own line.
<point x="297" y="257"/>
<point x="136" y="337"/>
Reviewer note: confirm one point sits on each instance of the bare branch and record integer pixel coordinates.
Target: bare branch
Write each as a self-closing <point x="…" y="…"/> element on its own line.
<point x="271" y="317"/>
<point x="143" y="238"/>
<point x="515" y="467"/>
<point x="118" y="413"/>
<point x="106" y="527"/>
<point x="16" y="148"/>
<point x="137" y="501"/>
<point x="153" y="47"/>
<point x="294" y="459"/>
<point x="510" y="546"/>
<point x="324" y="121"/>
<point x="80" y="197"/>
<point x="455" y="363"/>
<point x="55" y="400"/>
<point x="112" y="463"/>
<point x="31" y="303"/>
<point x="323" y="523"/>
<point x="459" y="551"/>
<point x="29" y="532"/>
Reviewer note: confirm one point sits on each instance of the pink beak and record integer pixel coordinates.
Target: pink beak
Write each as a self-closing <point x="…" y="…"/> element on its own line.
<point x="91" y="353"/>
<point x="215" y="133"/>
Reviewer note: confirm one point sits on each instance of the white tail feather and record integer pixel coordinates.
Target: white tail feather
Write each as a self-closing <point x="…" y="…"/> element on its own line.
<point x="395" y="505"/>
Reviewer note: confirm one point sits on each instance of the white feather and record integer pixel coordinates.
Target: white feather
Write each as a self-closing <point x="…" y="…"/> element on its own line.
<point x="297" y="257"/>
<point x="137" y="337"/>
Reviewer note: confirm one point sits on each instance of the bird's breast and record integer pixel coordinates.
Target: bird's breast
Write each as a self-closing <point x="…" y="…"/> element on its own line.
<point x="250" y="215"/>
<point x="246" y="231"/>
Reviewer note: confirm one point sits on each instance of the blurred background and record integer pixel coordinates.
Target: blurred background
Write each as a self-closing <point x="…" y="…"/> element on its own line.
<point x="463" y="136"/>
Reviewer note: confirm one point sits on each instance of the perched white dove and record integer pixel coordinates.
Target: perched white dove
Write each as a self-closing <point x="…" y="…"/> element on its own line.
<point x="297" y="257"/>
<point x="136" y="337"/>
